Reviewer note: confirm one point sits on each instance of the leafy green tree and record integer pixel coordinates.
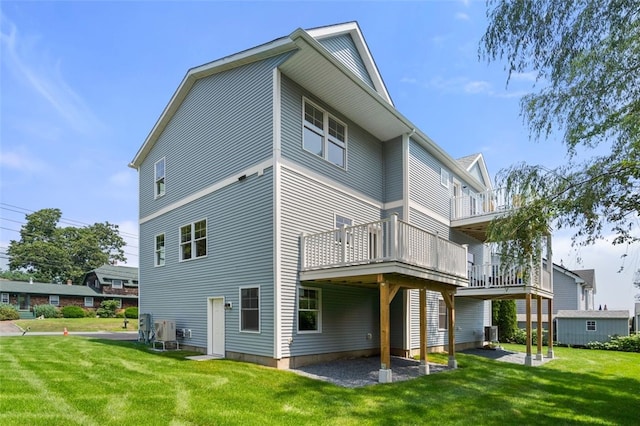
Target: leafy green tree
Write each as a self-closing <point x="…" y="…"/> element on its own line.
<point x="15" y="275"/>
<point x="50" y="253"/>
<point x="505" y="317"/>
<point x="586" y="56"/>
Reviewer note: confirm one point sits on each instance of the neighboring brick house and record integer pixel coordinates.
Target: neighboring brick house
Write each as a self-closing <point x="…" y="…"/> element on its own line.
<point x="25" y="295"/>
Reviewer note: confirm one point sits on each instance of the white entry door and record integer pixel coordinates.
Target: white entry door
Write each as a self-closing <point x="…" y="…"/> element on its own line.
<point x="215" y="344"/>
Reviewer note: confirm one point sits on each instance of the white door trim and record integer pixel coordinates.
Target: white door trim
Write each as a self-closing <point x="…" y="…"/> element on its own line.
<point x="215" y="326"/>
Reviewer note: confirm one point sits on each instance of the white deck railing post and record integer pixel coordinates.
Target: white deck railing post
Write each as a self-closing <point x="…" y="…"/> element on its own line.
<point x="393" y="236"/>
<point x="343" y="243"/>
<point x="303" y="258"/>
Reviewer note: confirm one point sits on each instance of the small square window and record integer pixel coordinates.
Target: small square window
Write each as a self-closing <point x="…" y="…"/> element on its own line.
<point x="323" y="135"/>
<point x="193" y="240"/>
<point x="116" y="284"/>
<point x="591" y="325"/>
<point x="54" y="300"/>
<point x="88" y="302"/>
<point x="4" y="298"/>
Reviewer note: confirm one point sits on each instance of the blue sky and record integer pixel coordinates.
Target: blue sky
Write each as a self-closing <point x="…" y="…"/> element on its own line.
<point x="82" y="84"/>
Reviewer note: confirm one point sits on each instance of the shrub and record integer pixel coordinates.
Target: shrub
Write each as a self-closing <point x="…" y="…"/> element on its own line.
<point x="47" y="311"/>
<point x="72" y="312"/>
<point x="520" y="337"/>
<point x="107" y="309"/>
<point x="504" y="316"/>
<point x="120" y="313"/>
<point x="131" y="312"/>
<point x="618" y="343"/>
<point x="8" y="312"/>
<point x="90" y="313"/>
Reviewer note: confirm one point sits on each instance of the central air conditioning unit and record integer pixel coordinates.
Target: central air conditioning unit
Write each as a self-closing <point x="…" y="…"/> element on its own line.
<point x="491" y="333"/>
<point x="165" y="330"/>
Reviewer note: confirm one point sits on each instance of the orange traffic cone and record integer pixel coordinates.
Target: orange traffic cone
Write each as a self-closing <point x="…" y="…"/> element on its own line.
<point x="65" y="333"/>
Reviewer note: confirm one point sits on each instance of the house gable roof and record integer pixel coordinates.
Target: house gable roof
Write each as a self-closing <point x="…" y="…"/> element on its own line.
<point x="476" y="161"/>
<point x="316" y="69"/>
<point x="589" y="277"/>
<point x="45" y="288"/>
<point x="105" y="273"/>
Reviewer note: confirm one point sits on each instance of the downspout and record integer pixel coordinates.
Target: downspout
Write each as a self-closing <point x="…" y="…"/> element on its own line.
<point x="405" y="209"/>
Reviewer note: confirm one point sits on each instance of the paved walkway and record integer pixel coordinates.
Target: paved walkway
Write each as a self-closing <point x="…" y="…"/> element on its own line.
<point x="506" y="356"/>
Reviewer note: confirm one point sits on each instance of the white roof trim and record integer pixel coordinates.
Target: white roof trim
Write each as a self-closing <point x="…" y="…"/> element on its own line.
<point x="483" y="169"/>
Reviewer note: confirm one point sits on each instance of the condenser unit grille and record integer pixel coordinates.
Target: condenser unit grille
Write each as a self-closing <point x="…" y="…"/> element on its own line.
<point x="165" y="330"/>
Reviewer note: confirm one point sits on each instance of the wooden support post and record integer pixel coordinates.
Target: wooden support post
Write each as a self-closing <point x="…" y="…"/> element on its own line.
<point x="424" y="364"/>
<point x="527" y="358"/>
<point x="539" y="333"/>
<point x="550" y="328"/>
<point x="449" y="300"/>
<point x="385" y="338"/>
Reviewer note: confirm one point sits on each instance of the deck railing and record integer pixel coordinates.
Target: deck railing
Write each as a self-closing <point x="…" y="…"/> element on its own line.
<point x="492" y="275"/>
<point x="481" y="203"/>
<point x="382" y="241"/>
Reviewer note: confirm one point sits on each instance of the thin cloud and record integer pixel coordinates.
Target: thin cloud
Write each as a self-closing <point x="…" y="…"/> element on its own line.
<point x="408" y="80"/>
<point x="525" y="76"/>
<point x="464" y="85"/>
<point x="477" y="87"/>
<point x="21" y="160"/>
<point x="44" y="77"/>
<point x="461" y="16"/>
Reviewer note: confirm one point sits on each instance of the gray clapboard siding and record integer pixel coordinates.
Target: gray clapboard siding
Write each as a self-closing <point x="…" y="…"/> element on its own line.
<point x="309" y="206"/>
<point x="475" y="247"/>
<point x="470" y="320"/>
<point x="565" y="295"/>
<point x="240" y="253"/>
<point x="364" y="152"/>
<point x="573" y="331"/>
<point x="223" y="125"/>
<point x="424" y="181"/>
<point x="428" y="223"/>
<point x="393" y="172"/>
<point x="477" y="173"/>
<point x="343" y="49"/>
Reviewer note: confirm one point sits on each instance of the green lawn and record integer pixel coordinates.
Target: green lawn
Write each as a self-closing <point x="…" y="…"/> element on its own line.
<point x="54" y="380"/>
<point x="78" y="324"/>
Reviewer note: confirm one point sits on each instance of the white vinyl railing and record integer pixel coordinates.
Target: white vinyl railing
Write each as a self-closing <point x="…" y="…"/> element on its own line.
<point x="492" y="275"/>
<point x="481" y="203"/>
<point x="382" y="241"/>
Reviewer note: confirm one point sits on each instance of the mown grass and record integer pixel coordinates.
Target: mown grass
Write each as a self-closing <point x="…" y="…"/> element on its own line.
<point x="51" y="380"/>
<point x="77" y="324"/>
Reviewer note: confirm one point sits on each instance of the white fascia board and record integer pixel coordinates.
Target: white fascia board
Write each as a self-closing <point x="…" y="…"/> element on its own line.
<point x="263" y="51"/>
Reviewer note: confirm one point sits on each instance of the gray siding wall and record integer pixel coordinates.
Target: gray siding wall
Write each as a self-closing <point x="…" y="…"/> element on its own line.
<point x="475" y="247"/>
<point x="349" y="313"/>
<point x="393" y="175"/>
<point x="470" y="320"/>
<point x="240" y="253"/>
<point x="573" y="331"/>
<point x="365" y="168"/>
<point x="565" y="296"/>
<point x="223" y="125"/>
<point x="424" y="181"/>
<point x="477" y="173"/>
<point x="343" y="48"/>
<point x="428" y="223"/>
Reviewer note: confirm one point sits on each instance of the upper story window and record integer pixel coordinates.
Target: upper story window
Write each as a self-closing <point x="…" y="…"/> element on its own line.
<point x="159" y="178"/>
<point x="324" y="135"/>
<point x="193" y="240"/>
<point x="444" y="178"/>
<point x="116" y="283"/>
<point x="159" y="250"/>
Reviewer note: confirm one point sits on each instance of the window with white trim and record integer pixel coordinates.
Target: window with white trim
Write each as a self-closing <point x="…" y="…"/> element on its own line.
<point x="444" y="178"/>
<point x="159" y="258"/>
<point x="159" y="176"/>
<point x="443" y="319"/>
<point x="193" y="240"/>
<point x="116" y="283"/>
<point x="54" y="300"/>
<point x="591" y="325"/>
<point x="250" y="309"/>
<point x="4" y="298"/>
<point x="88" y="302"/>
<point x="324" y="135"/>
<point x="309" y="310"/>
